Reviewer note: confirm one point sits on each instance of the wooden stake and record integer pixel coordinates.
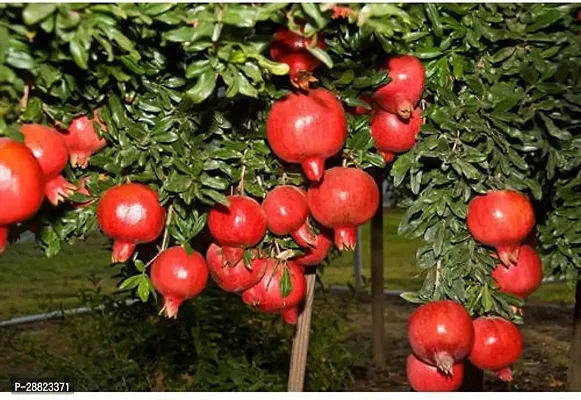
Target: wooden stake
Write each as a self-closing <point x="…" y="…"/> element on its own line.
<point x="473" y="378"/>
<point x="377" y="279"/>
<point x="574" y="372"/>
<point x="298" y="362"/>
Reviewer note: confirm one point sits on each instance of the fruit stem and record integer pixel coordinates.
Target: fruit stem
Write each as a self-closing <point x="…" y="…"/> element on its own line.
<point x="165" y="240"/>
<point x="438" y="271"/>
<point x="242" y="172"/>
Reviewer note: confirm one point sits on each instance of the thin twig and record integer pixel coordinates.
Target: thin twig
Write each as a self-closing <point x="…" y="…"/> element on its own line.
<point x="165" y="240"/>
<point x="438" y="270"/>
<point x="24" y="99"/>
<point x="242" y="172"/>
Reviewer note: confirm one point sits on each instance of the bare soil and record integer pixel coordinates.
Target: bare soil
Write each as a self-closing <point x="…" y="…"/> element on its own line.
<point x="542" y="366"/>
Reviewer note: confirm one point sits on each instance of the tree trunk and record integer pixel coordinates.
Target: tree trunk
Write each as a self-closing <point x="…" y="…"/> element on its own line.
<point x="377" y="279"/>
<point x="574" y="373"/>
<point x="298" y="362"/>
<point x="473" y="378"/>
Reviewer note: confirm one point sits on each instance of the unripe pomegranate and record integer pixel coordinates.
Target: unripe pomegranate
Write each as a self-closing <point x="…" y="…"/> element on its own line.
<point x="497" y="345"/>
<point x="267" y="294"/>
<point x="424" y="377"/>
<point x="393" y="134"/>
<point x="522" y="278"/>
<point x="502" y="219"/>
<point x="318" y="253"/>
<point x="307" y="129"/>
<point x="441" y="334"/>
<point x="287" y="211"/>
<point x="50" y="149"/>
<point x="240" y="225"/>
<point x="401" y="95"/>
<point x="346" y="198"/>
<point x="234" y="278"/>
<point x="290" y="315"/>
<point x="178" y="277"/>
<point x="21" y="183"/>
<point x="290" y="48"/>
<point x="130" y="214"/>
<point x="83" y="140"/>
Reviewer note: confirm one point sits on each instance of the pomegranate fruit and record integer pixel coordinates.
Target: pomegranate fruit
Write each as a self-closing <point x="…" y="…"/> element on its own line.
<point x="317" y="254"/>
<point x="3" y="237"/>
<point x="178" y="277"/>
<point x="394" y="135"/>
<point x="290" y="315"/>
<point x="401" y="95"/>
<point x="424" y="377"/>
<point x="51" y="151"/>
<point x="240" y="225"/>
<point x="502" y="219"/>
<point x="130" y="214"/>
<point x="83" y="140"/>
<point x="289" y="48"/>
<point x="346" y="198"/>
<point x="441" y="333"/>
<point x="359" y="110"/>
<point x="287" y="212"/>
<point x="234" y="278"/>
<point x="497" y="345"/>
<point x="21" y="183"/>
<point x="307" y="129"/>
<point x="522" y="278"/>
<point x="267" y="295"/>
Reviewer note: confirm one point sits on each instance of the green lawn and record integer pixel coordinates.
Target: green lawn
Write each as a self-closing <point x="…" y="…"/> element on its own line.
<point x="31" y="283"/>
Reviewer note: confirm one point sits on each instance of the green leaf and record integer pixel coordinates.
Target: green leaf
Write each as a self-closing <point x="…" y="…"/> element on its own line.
<point x="34" y="13"/>
<point x="80" y="55"/>
<point x="216" y="196"/>
<point x="131" y="283"/>
<point x="434" y="17"/>
<point x="314" y="12"/>
<point x="322" y="56"/>
<point x="286" y="285"/>
<point x="553" y="130"/>
<point x="139" y="265"/>
<point x="190" y="34"/>
<point x="544" y="20"/>
<point x="400" y="168"/>
<point x="411" y="297"/>
<point x="144" y="289"/>
<point x="203" y="88"/>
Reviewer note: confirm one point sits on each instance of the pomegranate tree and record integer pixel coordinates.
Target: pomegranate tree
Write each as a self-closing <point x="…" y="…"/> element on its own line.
<point x="178" y="276"/>
<point x="307" y="129"/>
<point x="346" y="198"/>
<point x="441" y="334"/>
<point x="424" y="377"/>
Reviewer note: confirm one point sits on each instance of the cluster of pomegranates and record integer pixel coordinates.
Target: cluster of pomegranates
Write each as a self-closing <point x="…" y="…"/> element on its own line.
<point x="31" y="171"/>
<point x="442" y="334"/>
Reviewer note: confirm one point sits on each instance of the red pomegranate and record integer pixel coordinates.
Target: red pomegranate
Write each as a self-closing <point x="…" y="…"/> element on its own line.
<point x="290" y="315"/>
<point x="393" y="134"/>
<point x="359" y="110"/>
<point x="441" y="334"/>
<point x="290" y="48"/>
<point x="346" y="198"/>
<point x="3" y="237"/>
<point x="502" y="219"/>
<point x="424" y="377"/>
<point x="83" y="140"/>
<point x="21" y="183"/>
<point x="267" y="295"/>
<point x="130" y="214"/>
<point x="401" y="95"/>
<point x="307" y="129"/>
<point x="240" y="225"/>
<point x="178" y="277"/>
<point x="522" y="278"/>
<point x="317" y="254"/>
<point x="287" y="212"/>
<point x="234" y="278"/>
<point x="497" y="345"/>
<point x="51" y="151"/>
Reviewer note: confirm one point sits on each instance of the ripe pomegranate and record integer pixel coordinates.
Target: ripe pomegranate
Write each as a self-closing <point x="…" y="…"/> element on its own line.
<point x="178" y="277"/>
<point x="51" y="151"/>
<point x="267" y="294"/>
<point x="359" y="110"/>
<point x="394" y="135"/>
<point x="319" y="251"/>
<point x="424" y="377"/>
<point x="307" y="129"/>
<point x="497" y="345"/>
<point x="290" y="48"/>
<point x="522" y="278"/>
<point x="21" y="183"/>
<point x="236" y="227"/>
<point x="234" y="278"/>
<point x="441" y="334"/>
<point x="502" y="219"/>
<point x="83" y="140"/>
<point x="290" y="315"/>
<point x="346" y="197"/>
<point x="401" y="95"/>
<point x="130" y="214"/>
<point x="3" y="237"/>
<point x="287" y="211"/>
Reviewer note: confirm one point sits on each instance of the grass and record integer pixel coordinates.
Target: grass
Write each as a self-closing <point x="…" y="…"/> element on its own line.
<point x="31" y="283"/>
